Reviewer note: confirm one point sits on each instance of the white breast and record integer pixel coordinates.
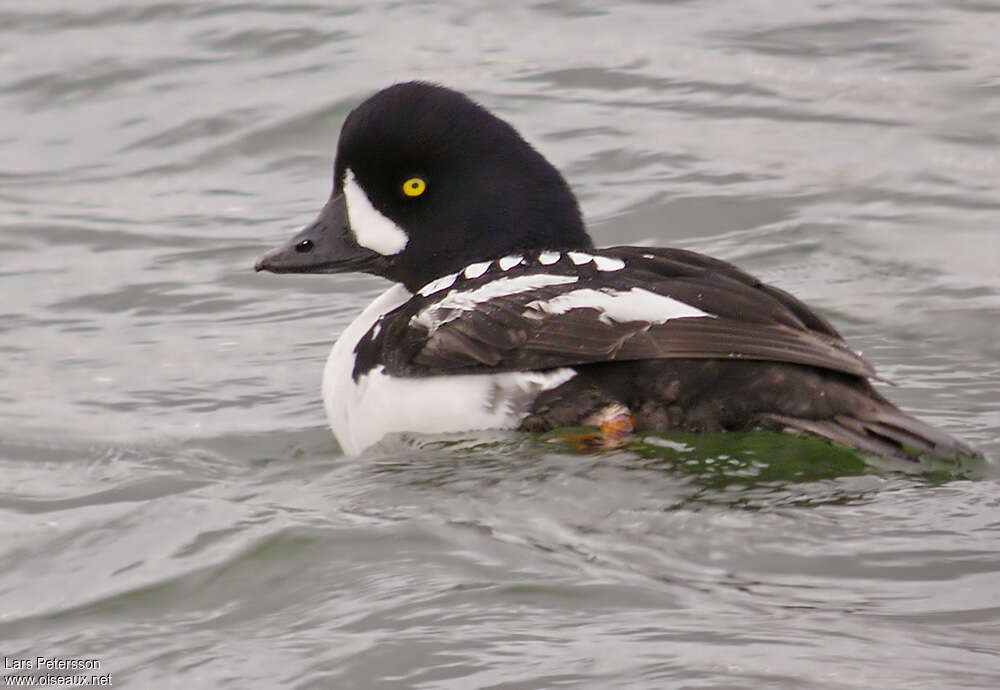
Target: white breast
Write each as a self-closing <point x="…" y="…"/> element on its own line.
<point x="362" y="412"/>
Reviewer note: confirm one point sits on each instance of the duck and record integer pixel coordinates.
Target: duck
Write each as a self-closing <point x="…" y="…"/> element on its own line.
<point x="502" y="313"/>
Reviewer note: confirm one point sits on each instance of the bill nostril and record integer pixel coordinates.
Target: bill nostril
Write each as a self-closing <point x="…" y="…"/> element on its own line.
<point x="304" y="246"/>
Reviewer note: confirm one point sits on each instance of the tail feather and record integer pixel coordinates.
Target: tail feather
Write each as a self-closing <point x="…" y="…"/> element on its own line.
<point x="884" y="431"/>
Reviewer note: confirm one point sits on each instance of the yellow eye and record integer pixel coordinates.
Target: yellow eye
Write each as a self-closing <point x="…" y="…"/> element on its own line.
<point x="415" y="186"/>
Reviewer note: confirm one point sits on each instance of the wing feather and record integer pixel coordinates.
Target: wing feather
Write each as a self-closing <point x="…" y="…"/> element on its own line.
<point x="742" y="319"/>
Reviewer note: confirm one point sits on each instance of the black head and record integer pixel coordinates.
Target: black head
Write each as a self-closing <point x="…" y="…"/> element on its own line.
<point x="426" y="182"/>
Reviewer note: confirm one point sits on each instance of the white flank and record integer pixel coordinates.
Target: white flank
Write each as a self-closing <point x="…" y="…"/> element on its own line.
<point x="579" y="258"/>
<point x="634" y="304"/>
<point x="608" y="263"/>
<point x="362" y="413"/>
<point x="548" y="258"/>
<point x="452" y="305"/>
<point x="371" y="228"/>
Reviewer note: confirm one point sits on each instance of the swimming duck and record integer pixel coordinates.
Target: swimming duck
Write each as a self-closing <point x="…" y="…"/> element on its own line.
<point x="503" y="314"/>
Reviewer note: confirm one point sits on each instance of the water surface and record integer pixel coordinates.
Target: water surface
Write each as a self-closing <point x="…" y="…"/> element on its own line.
<point x="173" y="505"/>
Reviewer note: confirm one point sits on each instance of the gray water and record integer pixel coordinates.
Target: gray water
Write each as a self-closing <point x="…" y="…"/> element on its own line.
<point x="173" y="506"/>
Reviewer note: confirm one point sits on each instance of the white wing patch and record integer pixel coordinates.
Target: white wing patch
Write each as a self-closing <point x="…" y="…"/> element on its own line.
<point x="546" y="258"/>
<point x="371" y="229"/>
<point x="438" y="284"/>
<point x="473" y="271"/>
<point x="608" y="263"/>
<point x="634" y="304"/>
<point x="509" y="262"/>
<point x="452" y="305"/>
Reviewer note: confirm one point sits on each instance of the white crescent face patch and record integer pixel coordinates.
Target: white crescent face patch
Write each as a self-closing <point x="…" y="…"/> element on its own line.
<point x="371" y="229"/>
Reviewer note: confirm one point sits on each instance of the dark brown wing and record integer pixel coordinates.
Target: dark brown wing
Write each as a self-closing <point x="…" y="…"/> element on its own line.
<point x="665" y="303"/>
<point x="668" y="261"/>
